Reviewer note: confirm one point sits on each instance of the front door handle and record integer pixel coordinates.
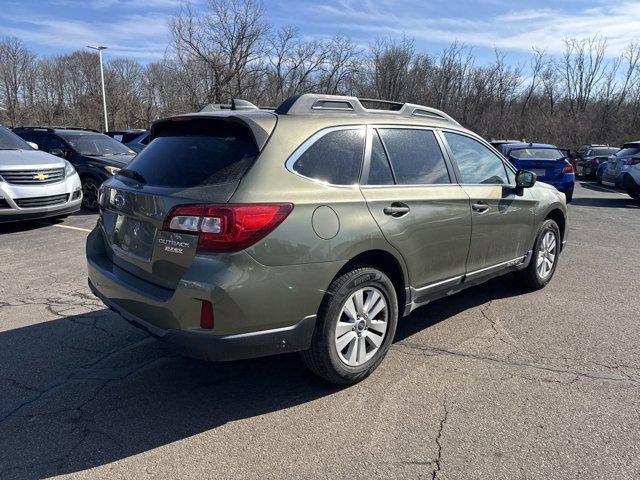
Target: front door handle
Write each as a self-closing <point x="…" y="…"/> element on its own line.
<point x="396" y="209"/>
<point x="480" y="207"/>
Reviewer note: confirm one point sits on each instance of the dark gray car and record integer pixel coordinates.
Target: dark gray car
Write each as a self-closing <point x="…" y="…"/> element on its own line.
<point x="241" y="233"/>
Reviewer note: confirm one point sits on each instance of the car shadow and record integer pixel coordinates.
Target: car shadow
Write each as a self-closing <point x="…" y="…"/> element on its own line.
<point x="86" y="390"/>
<point x="606" y="202"/>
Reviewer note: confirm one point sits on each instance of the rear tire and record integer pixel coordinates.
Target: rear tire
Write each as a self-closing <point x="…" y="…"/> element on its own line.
<point x="343" y="348"/>
<point x="535" y="276"/>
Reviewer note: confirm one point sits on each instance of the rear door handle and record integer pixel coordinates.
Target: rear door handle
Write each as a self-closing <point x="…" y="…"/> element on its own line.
<point x="480" y="207"/>
<point x="397" y="209"/>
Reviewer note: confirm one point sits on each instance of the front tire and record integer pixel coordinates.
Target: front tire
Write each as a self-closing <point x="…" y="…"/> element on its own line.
<point x="355" y="327"/>
<point x="546" y="251"/>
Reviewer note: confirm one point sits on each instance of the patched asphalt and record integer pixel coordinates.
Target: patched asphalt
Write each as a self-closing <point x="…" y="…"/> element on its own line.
<point x="495" y="382"/>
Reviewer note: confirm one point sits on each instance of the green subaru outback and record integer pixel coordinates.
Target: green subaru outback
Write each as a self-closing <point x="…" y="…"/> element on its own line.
<point x="243" y="232"/>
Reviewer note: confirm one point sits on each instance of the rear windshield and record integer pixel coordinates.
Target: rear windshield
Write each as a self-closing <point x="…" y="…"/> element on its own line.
<point x="94" y="144"/>
<point x="195" y="153"/>
<point x="536" y="153"/>
<point x="601" y="152"/>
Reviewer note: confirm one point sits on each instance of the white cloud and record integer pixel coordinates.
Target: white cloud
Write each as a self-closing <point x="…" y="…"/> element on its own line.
<point x="518" y="30"/>
<point x="142" y="37"/>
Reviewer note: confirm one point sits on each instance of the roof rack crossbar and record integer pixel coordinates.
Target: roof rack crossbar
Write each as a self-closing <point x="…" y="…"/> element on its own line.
<point x="309" y="104"/>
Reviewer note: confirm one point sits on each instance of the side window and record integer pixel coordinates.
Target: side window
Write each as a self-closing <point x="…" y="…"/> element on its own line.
<point x="334" y="158"/>
<point x="379" y="169"/>
<point x="476" y="162"/>
<point x="415" y="156"/>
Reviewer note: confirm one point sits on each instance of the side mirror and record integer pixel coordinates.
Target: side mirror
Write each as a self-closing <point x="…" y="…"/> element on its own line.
<point x="524" y="179"/>
<point x="57" y="152"/>
<point x="33" y="145"/>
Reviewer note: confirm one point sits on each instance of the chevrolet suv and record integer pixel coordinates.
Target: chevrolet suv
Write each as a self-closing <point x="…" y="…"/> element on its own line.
<point x="34" y="184"/>
<point x="313" y="228"/>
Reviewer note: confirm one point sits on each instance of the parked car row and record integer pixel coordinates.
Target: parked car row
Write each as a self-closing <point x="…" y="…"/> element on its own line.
<point x="588" y="158"/>
<point x="611" y="166"/>
<point x="96" y="157"/>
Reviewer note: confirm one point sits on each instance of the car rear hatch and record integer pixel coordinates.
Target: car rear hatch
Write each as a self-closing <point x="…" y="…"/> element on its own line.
<point x="191" y="160"/>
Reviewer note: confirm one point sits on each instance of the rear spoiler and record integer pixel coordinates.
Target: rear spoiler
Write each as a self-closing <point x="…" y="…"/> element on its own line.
<point x="260" y="123"/>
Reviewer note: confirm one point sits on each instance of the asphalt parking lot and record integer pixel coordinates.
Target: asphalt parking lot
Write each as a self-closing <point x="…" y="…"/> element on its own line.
<point x="495" y="382"/>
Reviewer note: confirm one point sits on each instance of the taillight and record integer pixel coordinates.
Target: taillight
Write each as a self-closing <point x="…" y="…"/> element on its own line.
<point x="568" y="168"/>
<point x="227" y="228"/>
<point x="206" y="315"/>
<point x="595" y="162"/>
<point x="633" y="161"/>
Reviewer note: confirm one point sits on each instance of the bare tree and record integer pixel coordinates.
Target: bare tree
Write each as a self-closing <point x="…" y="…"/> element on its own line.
<point x="227" y="39"/>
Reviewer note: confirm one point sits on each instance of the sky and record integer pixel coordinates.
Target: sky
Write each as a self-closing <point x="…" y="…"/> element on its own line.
<point x="137" y="29"/>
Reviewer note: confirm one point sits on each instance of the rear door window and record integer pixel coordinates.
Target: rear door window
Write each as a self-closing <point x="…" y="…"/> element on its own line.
<point x="196" y="153"/>
<point x="335" y="158"/>
<point x="415" y="156"/>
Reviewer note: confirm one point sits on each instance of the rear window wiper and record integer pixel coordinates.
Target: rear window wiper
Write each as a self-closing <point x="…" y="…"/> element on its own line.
<point x="125" y="172"/>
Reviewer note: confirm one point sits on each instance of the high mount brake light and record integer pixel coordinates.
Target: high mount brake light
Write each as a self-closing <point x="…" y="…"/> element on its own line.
<point x="227" y="227"/>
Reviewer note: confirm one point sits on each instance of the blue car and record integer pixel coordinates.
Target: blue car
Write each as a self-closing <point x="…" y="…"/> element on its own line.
<point x="550" y="163"/>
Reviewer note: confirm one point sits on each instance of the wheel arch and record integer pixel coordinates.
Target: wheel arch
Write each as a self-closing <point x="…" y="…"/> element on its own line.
<point x="388" y="263"/>
<point x="558" y="216"/>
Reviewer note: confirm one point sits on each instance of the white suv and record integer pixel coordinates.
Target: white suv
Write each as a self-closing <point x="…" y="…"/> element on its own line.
<point x="34" y="184"/>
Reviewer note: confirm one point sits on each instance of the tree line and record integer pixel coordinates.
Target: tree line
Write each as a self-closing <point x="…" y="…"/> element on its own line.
<point x="229" y="50"/>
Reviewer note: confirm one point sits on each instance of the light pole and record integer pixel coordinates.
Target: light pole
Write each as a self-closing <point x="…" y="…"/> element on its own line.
<point x="99" y="48"/>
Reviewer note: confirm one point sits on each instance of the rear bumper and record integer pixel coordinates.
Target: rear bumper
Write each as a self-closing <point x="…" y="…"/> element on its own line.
<point x="258" y="310"/>
<point x="224" y="347"/>
<point x="564" y="184"/>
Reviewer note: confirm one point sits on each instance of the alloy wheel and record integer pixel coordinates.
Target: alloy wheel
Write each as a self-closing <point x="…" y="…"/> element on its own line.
<point x="361" y="326"/>
<point x="547" y="254"/>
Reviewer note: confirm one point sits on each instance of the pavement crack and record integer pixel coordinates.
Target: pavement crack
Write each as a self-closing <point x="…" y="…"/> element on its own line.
<point x="438" y="460"/>
<point x="72" y="376"/>
<point x="621" y="377"/>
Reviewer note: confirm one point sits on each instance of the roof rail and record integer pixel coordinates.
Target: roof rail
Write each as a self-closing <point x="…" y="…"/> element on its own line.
<point x="236" y="104"/>
<point x="310" y="104"/>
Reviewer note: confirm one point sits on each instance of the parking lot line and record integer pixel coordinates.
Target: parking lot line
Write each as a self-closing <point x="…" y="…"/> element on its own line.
<point x="67" y="226"/>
